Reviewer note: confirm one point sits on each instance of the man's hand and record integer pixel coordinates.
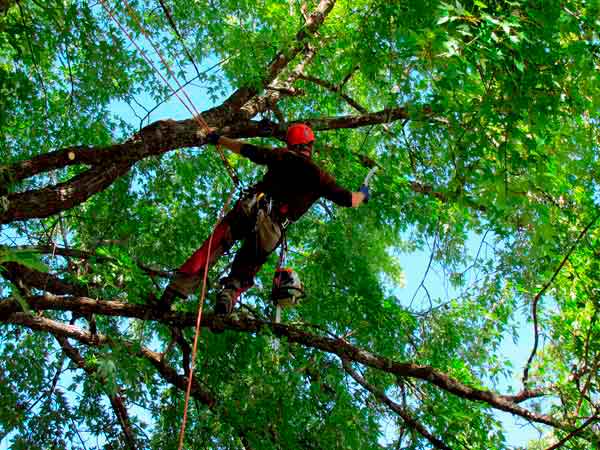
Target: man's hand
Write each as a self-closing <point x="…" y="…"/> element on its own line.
<point x="216" y="139"/>
<point x="365" y="190"/>
<point x="360" y="197"/>
<point x="213" y="137"/>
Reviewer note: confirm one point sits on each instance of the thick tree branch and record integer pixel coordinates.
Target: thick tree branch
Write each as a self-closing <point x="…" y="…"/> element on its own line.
<point x="54" y="199"/>
<point x="275" y="91"/>
<point x="410" y="421"/>
<point x="154" y="139"/>
<point x="9" y="313"/>
<point x="110" y="163"/>
<point x="283" y="58"/>
<point x="313" y="22"/>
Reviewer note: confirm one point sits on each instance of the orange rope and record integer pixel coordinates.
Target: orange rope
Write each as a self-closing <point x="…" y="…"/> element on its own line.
<point x="133" y="15"/>
<point x="195" y="114"/>
<point x="198" y="321"/>
<point x="148" y="60"/>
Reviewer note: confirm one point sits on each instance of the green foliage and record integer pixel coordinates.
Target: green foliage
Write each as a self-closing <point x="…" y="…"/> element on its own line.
<point x="28" y="258"/>
<point x="501" y="148"/>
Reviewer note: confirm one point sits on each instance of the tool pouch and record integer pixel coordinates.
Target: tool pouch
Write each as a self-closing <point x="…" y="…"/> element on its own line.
<point x="268" y="232"/>
<point x="248" y="204"/>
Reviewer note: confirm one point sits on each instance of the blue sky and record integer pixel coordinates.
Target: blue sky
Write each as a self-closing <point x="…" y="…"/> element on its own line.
<point x="414" y="264"/>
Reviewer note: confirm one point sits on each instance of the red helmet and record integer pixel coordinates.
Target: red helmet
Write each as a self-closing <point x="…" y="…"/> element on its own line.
<point x="299" y="133"/>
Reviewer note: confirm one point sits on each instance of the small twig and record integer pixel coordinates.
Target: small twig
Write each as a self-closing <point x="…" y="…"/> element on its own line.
<point x="174" y="26"/>
<point x="410" y="421"/>
<point x="587" y="383"/>
<point x="543" y="290"/>
<point x="78" y="435"/>
<point x="422" y="284"/>
<point x="477" y="255"/>
<point x="348" y="76"/>
<point x="573" y="433"/>
<point x="336" y="89"/>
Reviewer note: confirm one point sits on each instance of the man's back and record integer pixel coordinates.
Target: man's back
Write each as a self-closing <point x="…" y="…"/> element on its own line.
<point x="294" y="181"/>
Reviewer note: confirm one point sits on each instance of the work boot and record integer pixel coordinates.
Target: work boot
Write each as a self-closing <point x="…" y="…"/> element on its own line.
<point x="181" y="286"/>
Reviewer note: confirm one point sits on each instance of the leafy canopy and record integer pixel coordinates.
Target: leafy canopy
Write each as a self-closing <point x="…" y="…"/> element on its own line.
<point x="483" y="120"/>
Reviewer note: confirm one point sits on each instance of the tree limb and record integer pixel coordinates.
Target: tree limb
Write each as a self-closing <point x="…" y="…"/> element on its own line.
<point x="340" y="347"/>
<point x="574" y="433"/>
<point x="54" y="199"/>
<point x="410" y="421"/>
<point x="281" y="60"/>
<point x="110" y="163"/>
<point x="543" y="290"/>
<point x="178" y="34"/>
<point x="336" y="90"/>
<point x="21" y="275"/>
<point x="274" y="92"/>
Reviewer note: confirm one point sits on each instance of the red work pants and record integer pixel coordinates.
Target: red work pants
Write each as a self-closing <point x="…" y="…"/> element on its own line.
<point x="260" y="236"/>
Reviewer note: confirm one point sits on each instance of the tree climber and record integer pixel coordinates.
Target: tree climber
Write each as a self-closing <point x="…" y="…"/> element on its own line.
<point x="293" y="182"/>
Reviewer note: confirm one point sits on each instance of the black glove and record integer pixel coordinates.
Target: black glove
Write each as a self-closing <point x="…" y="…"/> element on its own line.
<point x="365" y="190"/>
<point x="213" y="138"/>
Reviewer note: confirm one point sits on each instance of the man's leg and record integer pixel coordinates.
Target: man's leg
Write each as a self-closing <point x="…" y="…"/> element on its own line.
<point x="247" y="262"/>
<point x="189" y="276"/>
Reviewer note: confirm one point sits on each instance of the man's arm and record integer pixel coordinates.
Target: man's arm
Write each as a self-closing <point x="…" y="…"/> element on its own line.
<point x="258" y="155"/>
<point x="231" y="144"/>
<point x="340" y="196"/>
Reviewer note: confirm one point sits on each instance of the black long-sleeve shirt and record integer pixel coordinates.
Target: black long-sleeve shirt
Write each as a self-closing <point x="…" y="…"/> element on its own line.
<point x="294" y="181"/>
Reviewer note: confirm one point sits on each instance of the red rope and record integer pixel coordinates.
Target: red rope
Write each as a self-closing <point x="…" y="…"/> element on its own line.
<point x="133" y="15"/>
<point x="148" y="60"/>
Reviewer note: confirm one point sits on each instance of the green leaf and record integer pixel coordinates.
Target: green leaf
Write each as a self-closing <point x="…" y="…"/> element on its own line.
<point x="28" y="258"/>
<point x="22" y="300"/>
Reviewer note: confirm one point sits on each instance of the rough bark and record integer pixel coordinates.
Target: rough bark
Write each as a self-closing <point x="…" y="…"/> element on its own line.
<point x="54" y="199"/>
<point x="9" y="313"/>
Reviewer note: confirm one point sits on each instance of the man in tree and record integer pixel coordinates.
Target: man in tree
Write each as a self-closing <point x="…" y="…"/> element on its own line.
<point x="293" y="182"/>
